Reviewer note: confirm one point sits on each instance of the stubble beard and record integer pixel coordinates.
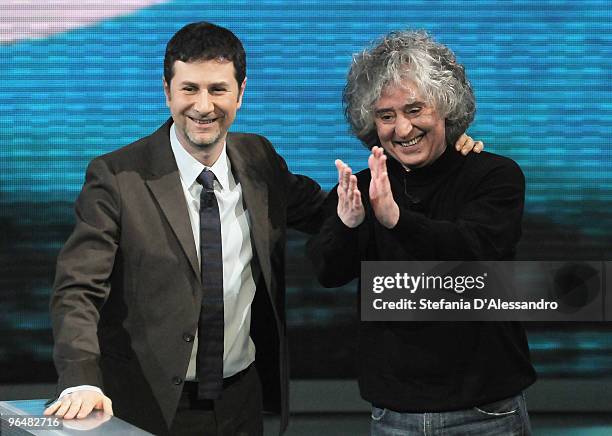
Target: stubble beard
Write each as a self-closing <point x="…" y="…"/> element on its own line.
<point x="201" y="144"/>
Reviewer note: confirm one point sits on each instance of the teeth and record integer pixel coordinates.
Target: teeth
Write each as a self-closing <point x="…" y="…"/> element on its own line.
<point x="413" y="141"/>
<point x="202" y="121"/>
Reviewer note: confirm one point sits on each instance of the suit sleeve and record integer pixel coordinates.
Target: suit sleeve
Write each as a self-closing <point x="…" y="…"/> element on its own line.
<point x="304" y="198"/>
<point x="82" y="280"/>
<point x="487" y="227"/>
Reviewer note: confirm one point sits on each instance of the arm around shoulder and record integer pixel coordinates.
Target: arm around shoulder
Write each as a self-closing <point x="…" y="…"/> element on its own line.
<point x="304" y="196"/>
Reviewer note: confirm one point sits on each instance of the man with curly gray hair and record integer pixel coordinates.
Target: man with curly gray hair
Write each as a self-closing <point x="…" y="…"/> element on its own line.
<point x="408" y="99"/>
<point x="433" y="70"/>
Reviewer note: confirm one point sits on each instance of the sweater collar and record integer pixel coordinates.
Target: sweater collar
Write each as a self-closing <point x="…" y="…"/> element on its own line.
<point x="449" y="159"/>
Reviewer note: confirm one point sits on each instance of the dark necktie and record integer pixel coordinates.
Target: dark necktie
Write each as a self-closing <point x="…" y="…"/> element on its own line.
<point x="209" y="361"/>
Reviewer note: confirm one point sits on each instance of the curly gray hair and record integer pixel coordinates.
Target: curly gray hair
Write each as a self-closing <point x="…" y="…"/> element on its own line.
<point x="415" y="56"/>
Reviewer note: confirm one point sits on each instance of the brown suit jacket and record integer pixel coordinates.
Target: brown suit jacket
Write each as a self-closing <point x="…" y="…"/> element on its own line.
<point x="127" y="289"/>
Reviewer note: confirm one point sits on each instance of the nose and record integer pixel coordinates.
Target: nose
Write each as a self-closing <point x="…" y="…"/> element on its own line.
<point x="403" y="127"/>
<point x="203" y="103"/>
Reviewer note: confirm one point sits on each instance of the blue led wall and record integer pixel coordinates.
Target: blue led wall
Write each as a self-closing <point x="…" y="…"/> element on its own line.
<point x="78" y="82"/>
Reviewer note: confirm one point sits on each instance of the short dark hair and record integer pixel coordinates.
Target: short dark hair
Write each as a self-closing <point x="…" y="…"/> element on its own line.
<point x="204" y="41"/>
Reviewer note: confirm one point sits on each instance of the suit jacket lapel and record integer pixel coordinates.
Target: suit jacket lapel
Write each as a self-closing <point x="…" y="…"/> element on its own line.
<point x="165" y="185"/>
<point x="255" y="196"/>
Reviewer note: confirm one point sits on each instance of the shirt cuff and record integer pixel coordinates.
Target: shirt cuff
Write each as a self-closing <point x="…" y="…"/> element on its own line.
<point x="80" y="388"/>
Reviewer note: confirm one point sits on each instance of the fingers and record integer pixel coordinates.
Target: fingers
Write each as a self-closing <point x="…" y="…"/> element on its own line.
<point x="52" y="408"/>
<point x="385" y="208"/>
<point x="75" y="407"/>
<point x="471" y="145"/>
<point x="86" y="407"/>
<point x="354" y="196"/>
<point x="465" y="144"/>
<point x="107" y="406"/>
<point x="377" y="162"/>
<point x="344" y="174"/>
<point x="79" y="405"/>
<point x="350" y="209"/>
<point x="468" y="145"/>
<point x="463" y="139"/>
<point x="372" y="165"/>
<point x="356" y="203"/>
<point x="382" y="165"/>
<point x="347" y="184"/>
<point x="339" y="166"/>
<point x="63" y="405"/>
<point x="351" y="192"/>
<point x="349" y="197"/>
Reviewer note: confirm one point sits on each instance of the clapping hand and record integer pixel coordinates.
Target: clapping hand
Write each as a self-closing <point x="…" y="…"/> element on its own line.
<point x="350" y="207"/>
<point x="384" y="206"/>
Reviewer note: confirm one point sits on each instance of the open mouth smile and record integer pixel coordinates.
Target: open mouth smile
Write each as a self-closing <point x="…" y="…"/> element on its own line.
<point x="412" y="142"/>
<point x="204" y="121"/>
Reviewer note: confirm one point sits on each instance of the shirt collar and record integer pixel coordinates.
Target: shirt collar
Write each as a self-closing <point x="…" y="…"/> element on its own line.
<point x="190" y="168"/>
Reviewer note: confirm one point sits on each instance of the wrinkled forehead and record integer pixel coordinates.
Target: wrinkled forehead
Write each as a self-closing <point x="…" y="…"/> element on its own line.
<point x="404" y="90"/>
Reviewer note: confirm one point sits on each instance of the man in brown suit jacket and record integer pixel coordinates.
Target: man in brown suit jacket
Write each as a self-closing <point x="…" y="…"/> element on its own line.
<point x="129" y="288"/>
<point x="128" y="291"/>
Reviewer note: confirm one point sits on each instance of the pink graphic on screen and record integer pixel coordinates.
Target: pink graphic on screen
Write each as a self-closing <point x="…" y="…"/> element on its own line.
<point x="26" y="19"/>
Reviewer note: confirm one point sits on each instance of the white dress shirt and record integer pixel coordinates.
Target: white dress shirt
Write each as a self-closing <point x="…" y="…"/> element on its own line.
<point x="238" y="282"/>
<point x="238" y="278"/>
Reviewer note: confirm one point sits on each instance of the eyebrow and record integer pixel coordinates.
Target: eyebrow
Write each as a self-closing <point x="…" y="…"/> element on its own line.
<point x="197" y="85"/>
<point x="407" y="105"/>
<point x="188" y="83"/>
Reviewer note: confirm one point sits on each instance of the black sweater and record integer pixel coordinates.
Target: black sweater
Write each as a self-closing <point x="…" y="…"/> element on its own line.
<point x="458" y="208"/>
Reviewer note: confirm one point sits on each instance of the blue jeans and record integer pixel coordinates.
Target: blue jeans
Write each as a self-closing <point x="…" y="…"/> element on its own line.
<point x="501" y="418"/>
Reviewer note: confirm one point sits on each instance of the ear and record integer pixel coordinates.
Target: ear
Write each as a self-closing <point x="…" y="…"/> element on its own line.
<point x="241" y="93"/>
<point x="166" y="91"/>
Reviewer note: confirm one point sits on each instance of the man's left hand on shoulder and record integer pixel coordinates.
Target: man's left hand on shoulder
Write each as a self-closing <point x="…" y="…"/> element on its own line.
<point x="465" y="144"/>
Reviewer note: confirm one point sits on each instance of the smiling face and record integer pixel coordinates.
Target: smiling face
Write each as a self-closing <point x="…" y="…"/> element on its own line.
<point x="409" y="129"/>
<point x="203" y="97"/>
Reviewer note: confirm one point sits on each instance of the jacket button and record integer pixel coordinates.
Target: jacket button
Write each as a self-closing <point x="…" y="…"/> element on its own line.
<point x="187" y="337"/>
<point x="177" y="380"/>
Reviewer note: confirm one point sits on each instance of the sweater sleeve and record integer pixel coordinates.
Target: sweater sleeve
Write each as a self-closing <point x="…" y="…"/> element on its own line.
<point x="487" y="227"/>
<point x="334" y="251"/>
